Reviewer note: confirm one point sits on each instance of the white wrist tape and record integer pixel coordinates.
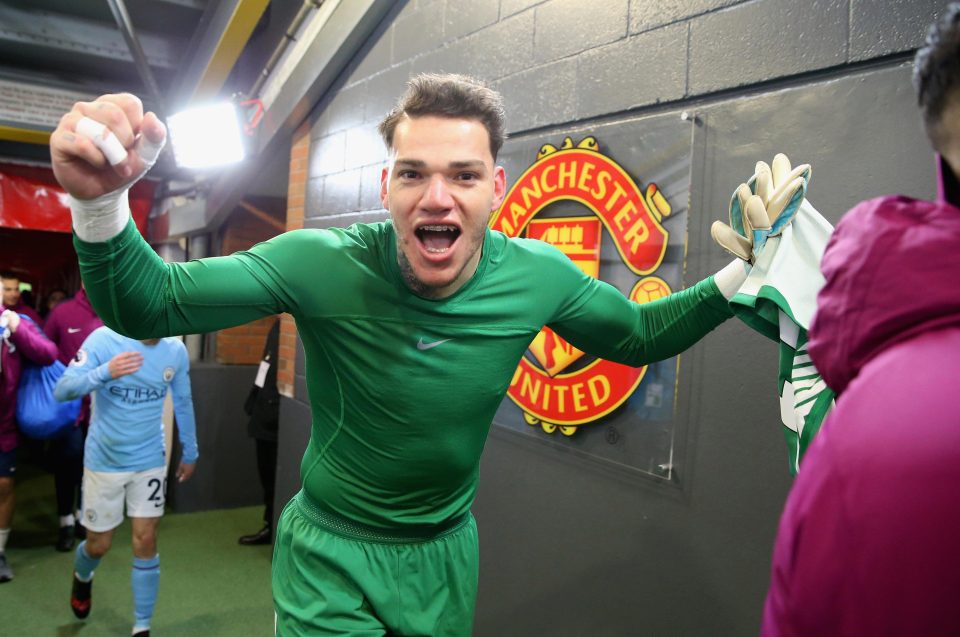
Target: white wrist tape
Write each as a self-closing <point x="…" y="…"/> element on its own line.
<point x="108" y="144"/>
<point x="731" y="278"/>
<point x="96" y="220"/>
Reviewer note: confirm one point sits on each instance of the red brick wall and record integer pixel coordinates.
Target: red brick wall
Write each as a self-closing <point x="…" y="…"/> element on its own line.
<point x="296" y="194"/>
<point x="243" y="345"/>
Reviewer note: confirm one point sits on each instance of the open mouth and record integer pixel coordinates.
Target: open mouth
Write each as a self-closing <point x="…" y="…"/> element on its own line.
<point x="437" y="238"/>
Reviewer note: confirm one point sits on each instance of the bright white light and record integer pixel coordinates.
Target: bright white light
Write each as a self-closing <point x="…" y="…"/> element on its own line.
<point x="206" y="136"/>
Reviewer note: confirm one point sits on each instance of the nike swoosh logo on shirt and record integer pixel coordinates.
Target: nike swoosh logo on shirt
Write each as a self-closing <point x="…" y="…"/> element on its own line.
<point x="73" y="330"/>
<point x="425" y="346"/>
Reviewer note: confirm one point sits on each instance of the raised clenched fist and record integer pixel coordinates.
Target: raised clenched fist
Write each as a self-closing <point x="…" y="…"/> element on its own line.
<point x="105" y="145"/>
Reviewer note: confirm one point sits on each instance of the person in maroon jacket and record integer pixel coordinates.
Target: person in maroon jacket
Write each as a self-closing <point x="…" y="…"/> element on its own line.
<point x="868" y="542"/>
<point x="11" y="296"/>
<point x="52" y="300"/>
<point x="20" y="339"/>
<point x="68" y="325"/>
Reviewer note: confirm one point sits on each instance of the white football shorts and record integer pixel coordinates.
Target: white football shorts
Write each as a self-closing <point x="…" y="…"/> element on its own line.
<point x="105" y="492"/>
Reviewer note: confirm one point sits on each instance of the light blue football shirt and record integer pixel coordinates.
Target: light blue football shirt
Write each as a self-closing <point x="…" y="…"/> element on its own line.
<point x="126" y="429"/>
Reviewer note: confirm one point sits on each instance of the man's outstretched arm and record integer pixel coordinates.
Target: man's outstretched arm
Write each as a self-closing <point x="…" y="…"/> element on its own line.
<point x="137" y="294"/>
<point x="605" y="323"/>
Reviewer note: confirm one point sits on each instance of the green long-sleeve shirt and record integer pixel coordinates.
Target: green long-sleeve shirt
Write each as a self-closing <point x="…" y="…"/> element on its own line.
<point x="402" y="389"/>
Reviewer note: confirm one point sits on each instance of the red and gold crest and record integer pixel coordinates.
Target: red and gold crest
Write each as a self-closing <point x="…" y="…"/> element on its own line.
<point x="555" y="392"/>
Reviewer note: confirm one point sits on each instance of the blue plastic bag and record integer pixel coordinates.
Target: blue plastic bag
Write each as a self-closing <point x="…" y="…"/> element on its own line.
<point x="39" y="414"/>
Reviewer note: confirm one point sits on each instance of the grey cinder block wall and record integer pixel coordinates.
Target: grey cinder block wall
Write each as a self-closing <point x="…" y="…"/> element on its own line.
<point x="566" y="549"/>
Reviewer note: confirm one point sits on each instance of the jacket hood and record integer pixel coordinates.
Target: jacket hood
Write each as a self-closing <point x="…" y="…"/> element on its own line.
<point x="892" y="270"/>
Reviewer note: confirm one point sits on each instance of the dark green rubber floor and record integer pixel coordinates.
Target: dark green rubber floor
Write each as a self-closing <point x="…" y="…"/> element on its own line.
<point x="209" y="585"/>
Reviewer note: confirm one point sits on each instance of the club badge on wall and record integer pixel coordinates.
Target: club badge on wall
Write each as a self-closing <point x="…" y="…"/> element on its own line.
<point x="554" y="385"/>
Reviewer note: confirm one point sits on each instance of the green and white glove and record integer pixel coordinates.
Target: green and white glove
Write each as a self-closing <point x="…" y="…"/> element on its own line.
<point x="762" y="207"/>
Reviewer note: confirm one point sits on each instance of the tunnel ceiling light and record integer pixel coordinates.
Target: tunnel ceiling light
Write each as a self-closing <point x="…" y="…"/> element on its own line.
<point x="206" y="136"/>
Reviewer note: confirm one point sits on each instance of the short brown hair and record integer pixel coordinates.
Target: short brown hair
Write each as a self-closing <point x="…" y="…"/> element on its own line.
<point x="936" y="68"/>
<point x="448" y="95"/>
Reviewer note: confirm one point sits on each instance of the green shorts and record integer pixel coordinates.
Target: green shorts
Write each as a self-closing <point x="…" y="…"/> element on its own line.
<point x="335" y="577"/>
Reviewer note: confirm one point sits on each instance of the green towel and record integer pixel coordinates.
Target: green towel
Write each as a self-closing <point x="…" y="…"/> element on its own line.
<point x="778" y="300"/>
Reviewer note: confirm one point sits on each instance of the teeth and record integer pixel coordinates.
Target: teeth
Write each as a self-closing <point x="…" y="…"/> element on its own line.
<point x="438" y="227"/>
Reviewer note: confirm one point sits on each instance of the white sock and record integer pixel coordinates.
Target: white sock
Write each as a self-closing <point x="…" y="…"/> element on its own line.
<point x="4" y="534"/>
<point x="66" y="520"/>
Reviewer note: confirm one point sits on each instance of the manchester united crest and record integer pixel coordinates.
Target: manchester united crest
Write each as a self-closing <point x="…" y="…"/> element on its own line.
<point x="556" y="385"/>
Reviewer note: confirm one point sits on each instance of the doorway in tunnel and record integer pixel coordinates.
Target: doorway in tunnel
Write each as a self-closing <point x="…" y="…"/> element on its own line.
<point x="44" y="261"/>
<point x="36" y="241"/>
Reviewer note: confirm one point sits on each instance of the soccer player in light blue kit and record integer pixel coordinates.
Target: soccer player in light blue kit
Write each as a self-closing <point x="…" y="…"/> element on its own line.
<point x="124" y="457"/>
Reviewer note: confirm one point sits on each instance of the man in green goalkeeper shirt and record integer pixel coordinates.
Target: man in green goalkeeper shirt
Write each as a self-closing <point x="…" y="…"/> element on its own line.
<point x="402" y="322"/>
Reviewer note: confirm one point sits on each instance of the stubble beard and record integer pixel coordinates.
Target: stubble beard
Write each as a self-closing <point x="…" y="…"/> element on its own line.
<point x="417" y="286"/>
